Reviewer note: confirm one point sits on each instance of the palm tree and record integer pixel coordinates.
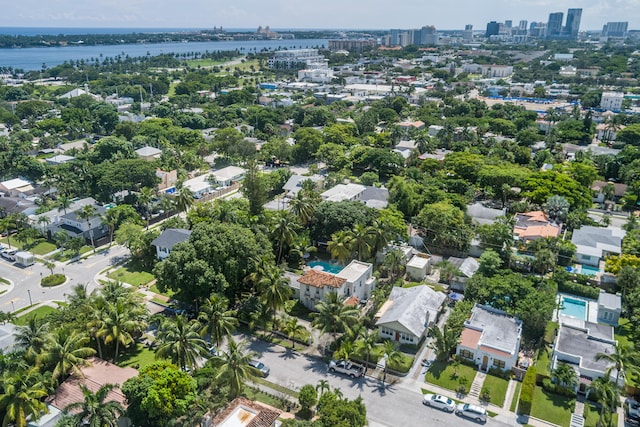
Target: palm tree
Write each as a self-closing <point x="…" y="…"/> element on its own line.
<point x="95" y="409"/>
<point x="166" y="205"/>
<point x="234" y="369"/>
<point x="6" y="225"/>
<point x="625" y="361"/>
<point x="322" y="387"/>
<point x="118" y="326"/>
<point x="66" y="351"/>
<point x="44" y="221"/>
<point x="394" y="261"/>
<point x="87" y="212"/>
<point x="544" y="260"/>
<point x="284" y="234"/>
<point x="340" y="245"/>
<point x="22" y="397"/>
<point x="32" y="336"/>
<point x="608" y="395"/>
<point x="217" y="320"/>
<point x="333" y="316"/>
<point x="565" y="376"/>
<point x="367" y="343"/>
<point x="361" y="241"/>
<point x="180" y="342"/>
<point x="110" y="220"/>
<point x="184" y="199"/>
<point x="444" y="341"/>
<point x="144" y="199"/>
<point x="302" y="208"/>
<point x="291" y="327"/>
<point x="391" y="354"/>
<point x="379" y="236"/>
<point x="64" y="202"/>
<point x="274" y="289"/>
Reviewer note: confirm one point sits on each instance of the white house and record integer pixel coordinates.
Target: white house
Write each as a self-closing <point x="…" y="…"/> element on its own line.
<point x="490" y="338"/>
<point x="611" y="101"/>
<point x="355" y="280"/>
<point x="149" y="153"/>
<point x="408" y="313"/>
<point x="225" y="177"/>
<point x="609" y="308"/>
<point x="16" y="187"/>
<point x="342" y="192"/>
<point x="578" y="342"/>
<point x="418" y="266"/>
<point x="168" y="239"/>
<point x="593" y="244"/>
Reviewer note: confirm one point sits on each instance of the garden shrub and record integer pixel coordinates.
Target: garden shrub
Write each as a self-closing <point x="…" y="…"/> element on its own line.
<point x="526" y="393"/>
<point x="53" y="280"/>
<point x="577" y="289"/>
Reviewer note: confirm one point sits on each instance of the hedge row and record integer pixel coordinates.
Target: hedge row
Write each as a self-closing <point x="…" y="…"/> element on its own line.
<point x="526" y="393"/>
<point x="53" y="280"/>
<point x="579" y="290"/>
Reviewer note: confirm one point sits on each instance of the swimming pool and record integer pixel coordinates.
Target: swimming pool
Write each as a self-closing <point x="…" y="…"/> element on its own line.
<point x="588" y="270"/>
<point x="326" y="266"/>
<point x="573" y="308"/>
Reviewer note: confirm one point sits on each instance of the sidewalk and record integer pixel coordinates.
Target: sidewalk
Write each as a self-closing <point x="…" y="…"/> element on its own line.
<point x="503" y="415"/>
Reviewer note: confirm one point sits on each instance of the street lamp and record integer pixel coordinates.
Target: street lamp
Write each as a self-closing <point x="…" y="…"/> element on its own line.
<point x="13" y="307"/>
<point x="29" y="292"/>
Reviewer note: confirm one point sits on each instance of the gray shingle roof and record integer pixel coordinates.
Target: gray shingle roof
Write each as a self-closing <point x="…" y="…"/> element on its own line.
<point x="409" y="307"/>
<point x="171" y="237"/>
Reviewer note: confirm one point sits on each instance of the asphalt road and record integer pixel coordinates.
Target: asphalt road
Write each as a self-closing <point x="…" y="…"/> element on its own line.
<point x="26" y="281"/>
<point x="397" y="404"/>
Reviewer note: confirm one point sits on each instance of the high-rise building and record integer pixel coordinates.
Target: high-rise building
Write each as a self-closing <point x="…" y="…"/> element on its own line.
<point x="573" y="23"/>
<point x="428" y="35"/>
<point x="523" y="25"/>
<point x="554" y="26"/>
<point x="493" y="29"/>
<point x="467" y="34"/>
<point x="615" y="29"/>
<point x="508" y="23"/>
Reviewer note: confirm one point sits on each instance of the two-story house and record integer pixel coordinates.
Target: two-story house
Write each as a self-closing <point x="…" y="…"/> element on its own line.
<point x="355" y="280"/>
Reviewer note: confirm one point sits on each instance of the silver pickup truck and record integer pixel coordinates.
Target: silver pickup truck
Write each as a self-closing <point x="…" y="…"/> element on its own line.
<point x="346" y="367"/>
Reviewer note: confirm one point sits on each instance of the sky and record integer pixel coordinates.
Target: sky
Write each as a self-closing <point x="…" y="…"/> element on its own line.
<point x="339" y="14"/>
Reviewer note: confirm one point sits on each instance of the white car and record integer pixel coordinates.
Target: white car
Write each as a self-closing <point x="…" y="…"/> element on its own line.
<point x="439" y="401"/>
<point x="474" y="412"/>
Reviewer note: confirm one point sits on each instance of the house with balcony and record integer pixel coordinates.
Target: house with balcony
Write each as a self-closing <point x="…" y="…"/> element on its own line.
<point x="490" y="339"/>
<point x="408" y="313"/>
<point x="354" y="281"/>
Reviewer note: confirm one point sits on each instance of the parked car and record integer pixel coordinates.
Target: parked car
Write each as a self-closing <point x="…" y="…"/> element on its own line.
<point x="264" y="369"/>
<point x="9" y="254"/>
<point x="474" y="412"/>
<point x="632" y="412"/>
<point x="346" y="367"/>
<point x="439" y="401"/>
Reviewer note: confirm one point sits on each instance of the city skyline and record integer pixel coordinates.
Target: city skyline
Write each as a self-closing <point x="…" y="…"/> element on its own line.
<point x="356" y="14"/>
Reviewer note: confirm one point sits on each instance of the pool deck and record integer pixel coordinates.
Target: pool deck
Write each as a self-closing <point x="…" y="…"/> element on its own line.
<point x="592" y="307"/>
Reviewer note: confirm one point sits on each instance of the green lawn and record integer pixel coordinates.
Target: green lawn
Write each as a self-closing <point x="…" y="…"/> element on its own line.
<point x="594" y="415"/>
<point x="497" y="387"/>
<point x="543" y="365"/>
<point x="516" y="396"/>
<point x="137" y="357"/>
<point x="169" y="293"/>
<point x="3" y="280"/>
<point x="276" y="387"/>
<point x="43" y="248"/>
<point x="624" y="333"/>
<point x="41" y="312"/>
<point x="551" y="407"/>
<point x="550" y="332"/>
<point x="67" y="255"/>
<point x="402" y="366"/>
<point x="205" y="62"/>
<point x="442" y="374"/>
<point x="131" y="274"/>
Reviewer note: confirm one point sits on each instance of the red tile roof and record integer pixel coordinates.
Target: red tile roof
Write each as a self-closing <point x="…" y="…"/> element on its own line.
<point x="96" y="374"/>
<point x="495" y="351"/>
<point x="320" y="279"/>
<point x="470" y="337"/>
<point x="265" y="416"/>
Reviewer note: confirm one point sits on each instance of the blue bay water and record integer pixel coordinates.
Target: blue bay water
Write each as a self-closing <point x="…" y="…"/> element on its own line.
<point x="33" y="58"/>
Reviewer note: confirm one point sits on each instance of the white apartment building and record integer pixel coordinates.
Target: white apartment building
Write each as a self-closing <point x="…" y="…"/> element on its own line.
<point x="612" y="101"/>
<point x="295" y="58"/>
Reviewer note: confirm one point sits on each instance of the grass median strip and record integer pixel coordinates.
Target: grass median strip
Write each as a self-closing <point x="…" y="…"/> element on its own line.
<point x="276" y="387"/>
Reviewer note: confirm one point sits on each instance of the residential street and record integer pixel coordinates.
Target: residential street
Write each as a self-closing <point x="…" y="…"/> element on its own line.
<point x="26" y="281"/>
<point x="397" y="404"/>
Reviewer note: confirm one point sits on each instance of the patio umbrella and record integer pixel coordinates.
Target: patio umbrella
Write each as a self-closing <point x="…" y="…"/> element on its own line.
<point x="454" y="296"/>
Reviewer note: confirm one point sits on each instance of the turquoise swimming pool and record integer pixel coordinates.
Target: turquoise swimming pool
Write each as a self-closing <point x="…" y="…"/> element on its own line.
<point x="326" y="266"/>
<point x="573" y="308"/>
<point x="588" y="270"/>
